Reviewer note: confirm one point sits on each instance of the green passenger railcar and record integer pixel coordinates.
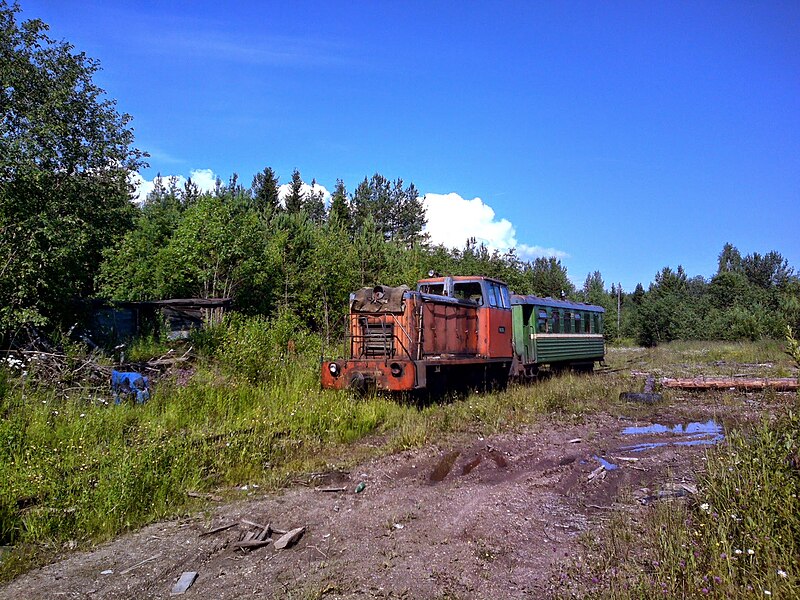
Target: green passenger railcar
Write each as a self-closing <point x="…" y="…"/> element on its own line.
<point x="558" y="333"/>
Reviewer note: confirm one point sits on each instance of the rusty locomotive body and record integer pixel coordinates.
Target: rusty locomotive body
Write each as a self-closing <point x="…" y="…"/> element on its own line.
<point x="448" y="331"/>
<point x="460" y="332"/>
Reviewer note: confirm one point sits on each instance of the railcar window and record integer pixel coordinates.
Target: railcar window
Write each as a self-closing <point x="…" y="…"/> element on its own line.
<point x="577" y="322"/>
<point x="587" y="321"/>
<point x="556" y="322"/>
<point x="542" y="321"/>
<point x="567" y="322"/>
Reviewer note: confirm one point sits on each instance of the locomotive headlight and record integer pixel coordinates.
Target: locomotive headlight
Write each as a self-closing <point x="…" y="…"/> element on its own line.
<point x="334" y="369"/>
<point x="396" y="369"/>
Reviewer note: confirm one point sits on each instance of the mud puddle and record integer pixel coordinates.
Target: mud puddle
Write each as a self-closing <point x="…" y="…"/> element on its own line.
<point x="689" y="434"/>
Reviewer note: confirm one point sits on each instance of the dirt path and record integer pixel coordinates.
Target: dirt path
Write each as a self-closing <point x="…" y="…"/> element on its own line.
<point x="482" y="518"/>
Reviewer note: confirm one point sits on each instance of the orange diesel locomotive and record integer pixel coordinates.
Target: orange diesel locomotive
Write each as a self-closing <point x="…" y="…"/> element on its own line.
<point x="450" y="332"/>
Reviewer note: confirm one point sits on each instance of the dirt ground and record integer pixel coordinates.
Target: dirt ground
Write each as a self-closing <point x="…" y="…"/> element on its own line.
<point x="499" y="517"/>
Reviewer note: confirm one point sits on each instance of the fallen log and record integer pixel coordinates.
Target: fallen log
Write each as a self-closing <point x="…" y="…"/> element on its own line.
<point x="781" y="384"/>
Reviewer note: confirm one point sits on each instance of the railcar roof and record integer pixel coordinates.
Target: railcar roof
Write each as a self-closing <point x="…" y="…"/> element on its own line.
<point x="552" y="302"/>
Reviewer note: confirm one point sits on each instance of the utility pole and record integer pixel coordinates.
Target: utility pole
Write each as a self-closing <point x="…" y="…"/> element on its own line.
<point x="619" y="305"/>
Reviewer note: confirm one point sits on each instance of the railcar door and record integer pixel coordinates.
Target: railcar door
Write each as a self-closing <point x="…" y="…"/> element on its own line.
<point x="495" y="321"/>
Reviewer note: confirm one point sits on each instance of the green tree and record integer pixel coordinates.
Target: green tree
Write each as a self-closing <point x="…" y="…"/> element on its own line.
<point x="132" y="270"/>
<point x="295" y="198"/>
<point x="548" y="277"/>
<point x="340" y="210"/>
<point x="264" y="190"/>
<point x="396" y="211"/>
<point x="65" y="156"/>
<point x="314" y="204"/>
<point x="730" y="260"/>
<point x="594" y="290"/>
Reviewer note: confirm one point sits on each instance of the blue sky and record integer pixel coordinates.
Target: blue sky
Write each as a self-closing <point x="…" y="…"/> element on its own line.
<point x="623" y="136"/>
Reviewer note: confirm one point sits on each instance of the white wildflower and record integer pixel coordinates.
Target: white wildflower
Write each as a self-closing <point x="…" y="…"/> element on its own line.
<point x="750" y="551"/>
<point x="783" y="573"/>
<point x="704" y="506"/>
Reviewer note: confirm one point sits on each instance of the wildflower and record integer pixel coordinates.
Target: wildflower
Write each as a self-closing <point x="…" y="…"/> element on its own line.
<point x="767" y="593"/>
<point x="704" y="590"/>
<point x="83" y="415"/>
<point x="750" y="551"/>
<point x="704" y="506"/>
<point x="737" y="551"/>
<point x="783" y="573"/>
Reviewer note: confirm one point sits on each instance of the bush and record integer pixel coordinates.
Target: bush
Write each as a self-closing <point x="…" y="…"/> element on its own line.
<point x="257" y="348"/>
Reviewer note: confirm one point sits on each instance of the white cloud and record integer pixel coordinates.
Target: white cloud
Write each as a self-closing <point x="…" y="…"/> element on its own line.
<point x="305" y="189"/>
<point x="452" y="219"/>
<point x="204" y="179"/>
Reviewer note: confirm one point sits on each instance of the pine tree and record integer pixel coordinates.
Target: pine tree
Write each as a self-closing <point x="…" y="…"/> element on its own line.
<point x="264" y="190"/>
<point x="295" y="198"/>
<point x="314" y="204"/>
<point x="339" y="211"/>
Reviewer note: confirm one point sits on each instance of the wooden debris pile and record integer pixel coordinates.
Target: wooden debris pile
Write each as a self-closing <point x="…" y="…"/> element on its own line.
<point x="256" y="535"/>
<point x="39" y="363"/>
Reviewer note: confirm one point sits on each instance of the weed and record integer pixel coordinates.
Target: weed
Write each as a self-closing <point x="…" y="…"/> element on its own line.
<point x="738" y="539"/>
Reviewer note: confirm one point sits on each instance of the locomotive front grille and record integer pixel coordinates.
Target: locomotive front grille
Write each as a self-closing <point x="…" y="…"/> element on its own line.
<point x="377" y="338"/>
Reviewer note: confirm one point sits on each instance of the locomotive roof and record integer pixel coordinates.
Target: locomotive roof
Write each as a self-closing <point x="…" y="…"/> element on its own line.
<point x="552" y="302"/>
<point x="461" y="278"/>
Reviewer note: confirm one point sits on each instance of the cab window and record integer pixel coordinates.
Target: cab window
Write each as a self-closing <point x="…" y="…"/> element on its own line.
<point x="470" y="290"/>
<point x="493" y="300"/>
<point x="432" y="288"/>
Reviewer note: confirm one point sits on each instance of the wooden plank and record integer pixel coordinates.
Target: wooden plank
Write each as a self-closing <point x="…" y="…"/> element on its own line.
<point x="252" y="524"/>
<point x="252" y="544"/>
<point x="783" y="384"/>
<point x="139" y="564"/>
<point x="218" y="529"/>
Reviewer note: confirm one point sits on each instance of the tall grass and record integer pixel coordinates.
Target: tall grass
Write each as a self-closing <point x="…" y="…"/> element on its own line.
<point x="764" y="357"/>
<point x="81" y="469"/>
<point x="740" y="538"/>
